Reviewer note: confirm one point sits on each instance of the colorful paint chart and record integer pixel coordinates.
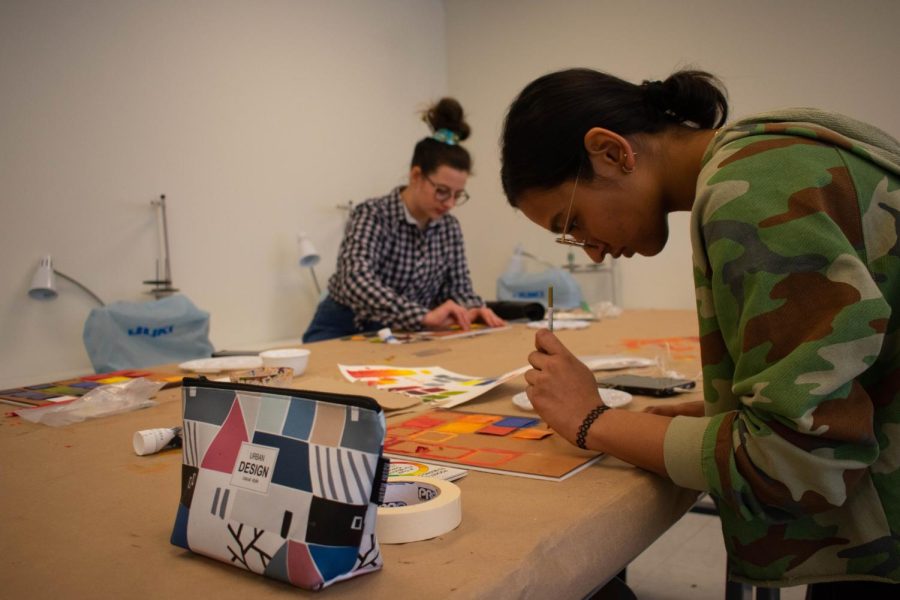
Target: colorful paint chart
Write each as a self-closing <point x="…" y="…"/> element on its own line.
<point x="432" y="384"/>
<point x="521" y="446"/>
<point x="70" y="389"/>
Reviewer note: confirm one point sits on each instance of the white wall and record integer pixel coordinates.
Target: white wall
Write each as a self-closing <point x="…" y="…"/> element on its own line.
<point x="833" y="54"/>
<point x="255" y="118"/>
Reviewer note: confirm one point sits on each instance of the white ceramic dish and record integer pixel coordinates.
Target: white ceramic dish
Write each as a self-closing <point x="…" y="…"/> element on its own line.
<point x="612" y="398"/>
<point x="221" y="363"/>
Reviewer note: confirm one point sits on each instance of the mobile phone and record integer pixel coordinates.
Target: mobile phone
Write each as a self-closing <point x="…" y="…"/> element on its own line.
<point x="645" y="385"/>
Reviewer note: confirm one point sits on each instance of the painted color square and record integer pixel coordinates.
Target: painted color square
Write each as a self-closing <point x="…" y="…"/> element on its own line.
<point x="113" y="380"/>
<point x="422" y="422"/>
<point x="496" y="430"/>
<point x="403" y="446"/>
<point x="517" y="422"/>
<point x="402" y="431"/>
<point x="135" y="374"/>
<point x="62" y="399"/>
<point x="94" y="377"/>
<point x="100" y="376"/>
<point x="449" y="452"/>
<point x="460" y="427"/>
<point x="491" y="458"/>
<point x="433" y="437"/>
<point x="64" y="390"/>
<point x="85" y="384"/>
<point x="423" y="450"/>
<point x="532" y="433"/>
<point x="26" y="395"/>
<point x="480" y="418"/>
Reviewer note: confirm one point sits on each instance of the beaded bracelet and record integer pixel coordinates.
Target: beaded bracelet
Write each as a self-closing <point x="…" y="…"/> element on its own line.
<point x="586" y="424"/>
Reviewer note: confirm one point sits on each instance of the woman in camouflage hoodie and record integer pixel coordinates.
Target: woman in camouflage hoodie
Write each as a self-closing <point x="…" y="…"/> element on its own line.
<point x="795" y="221"/>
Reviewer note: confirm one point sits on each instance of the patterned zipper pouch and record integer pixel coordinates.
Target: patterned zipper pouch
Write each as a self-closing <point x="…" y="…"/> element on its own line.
<point x="284" y="483"/>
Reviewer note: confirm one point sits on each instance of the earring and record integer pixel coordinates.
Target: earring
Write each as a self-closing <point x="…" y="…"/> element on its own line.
<point x="631" y="170"/>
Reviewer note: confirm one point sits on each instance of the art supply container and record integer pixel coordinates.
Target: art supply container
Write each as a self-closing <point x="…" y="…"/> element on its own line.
<point x="295" y="358"/>
<point x="150" y="441"/>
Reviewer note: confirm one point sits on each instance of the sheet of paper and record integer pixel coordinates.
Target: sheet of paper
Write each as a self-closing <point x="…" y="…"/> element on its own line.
<point x="519" y="446"/>
<point x="413" y="468"/>
<point x="430" y="384"/>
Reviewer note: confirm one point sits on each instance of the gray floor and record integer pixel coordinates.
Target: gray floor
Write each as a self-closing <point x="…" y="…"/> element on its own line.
<point x="687" y="562"/>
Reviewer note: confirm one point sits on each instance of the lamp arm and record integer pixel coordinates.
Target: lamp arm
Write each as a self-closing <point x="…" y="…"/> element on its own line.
<point x="315" y="280"/>
<point x="82" y="286"/>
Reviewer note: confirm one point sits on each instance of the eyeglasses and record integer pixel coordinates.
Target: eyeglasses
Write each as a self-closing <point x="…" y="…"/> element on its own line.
<point x="566" y="238"/>
<point x="442" y="193"/>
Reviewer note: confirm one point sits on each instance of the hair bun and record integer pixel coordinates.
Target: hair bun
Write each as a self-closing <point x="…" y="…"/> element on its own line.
<point x="689" y="96"/>
<point x="655" y="94"/>
<point x="447" y="114"/>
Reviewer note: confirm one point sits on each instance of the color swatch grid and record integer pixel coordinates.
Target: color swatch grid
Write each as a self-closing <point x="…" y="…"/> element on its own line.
<point x="70" y="389"/>
<point x="522" y="446"/>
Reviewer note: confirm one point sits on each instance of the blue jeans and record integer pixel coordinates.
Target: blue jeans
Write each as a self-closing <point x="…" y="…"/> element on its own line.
<point x="333" y="320"/>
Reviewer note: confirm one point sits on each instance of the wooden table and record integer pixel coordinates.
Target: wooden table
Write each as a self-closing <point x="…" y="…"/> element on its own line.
<point x="83" y="516"/>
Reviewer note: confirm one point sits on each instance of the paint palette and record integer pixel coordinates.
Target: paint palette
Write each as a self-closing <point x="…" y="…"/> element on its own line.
<point x="522" y="446"/>
<point x="70" y="389"/>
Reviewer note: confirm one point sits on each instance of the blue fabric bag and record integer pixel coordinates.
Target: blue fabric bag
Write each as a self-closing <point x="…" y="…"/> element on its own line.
<point x="133" y="335"/>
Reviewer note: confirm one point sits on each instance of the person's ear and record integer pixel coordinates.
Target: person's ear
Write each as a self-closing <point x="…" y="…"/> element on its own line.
<point x="415" y="174"/>
<point x="610" y="154"/>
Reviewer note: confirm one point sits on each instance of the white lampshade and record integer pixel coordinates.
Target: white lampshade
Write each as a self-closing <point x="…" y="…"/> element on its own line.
<point x="43" y="284"/>
<point x="309" y="257"/>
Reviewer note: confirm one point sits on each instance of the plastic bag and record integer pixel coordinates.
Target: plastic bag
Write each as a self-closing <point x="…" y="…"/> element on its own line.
<point x="102" y="401"/>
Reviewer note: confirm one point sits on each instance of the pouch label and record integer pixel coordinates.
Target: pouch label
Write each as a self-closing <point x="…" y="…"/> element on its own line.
<point x="254" y="467"/>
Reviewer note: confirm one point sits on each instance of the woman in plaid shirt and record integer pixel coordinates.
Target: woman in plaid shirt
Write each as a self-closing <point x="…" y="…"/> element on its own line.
<point x="402" y="261"/>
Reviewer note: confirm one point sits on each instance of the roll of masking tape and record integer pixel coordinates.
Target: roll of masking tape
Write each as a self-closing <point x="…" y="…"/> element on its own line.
<point x="417" y="508"/>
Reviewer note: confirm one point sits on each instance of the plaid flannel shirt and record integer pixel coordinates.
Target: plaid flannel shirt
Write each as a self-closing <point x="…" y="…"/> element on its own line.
<point x="391" y="271"/>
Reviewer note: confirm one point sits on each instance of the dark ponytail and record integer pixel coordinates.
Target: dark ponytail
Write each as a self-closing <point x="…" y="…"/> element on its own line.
<point x="431" y="152"/>
<point x="543" y="135"/>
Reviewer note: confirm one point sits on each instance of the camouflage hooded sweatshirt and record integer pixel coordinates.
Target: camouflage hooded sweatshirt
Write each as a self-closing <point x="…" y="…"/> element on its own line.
<point x="797" y="268"/>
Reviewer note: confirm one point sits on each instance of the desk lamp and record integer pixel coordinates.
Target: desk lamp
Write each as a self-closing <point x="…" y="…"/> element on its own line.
<point x="43" y="284"/>
<point x="309" y="257"/>
<point x="162" y="283"/>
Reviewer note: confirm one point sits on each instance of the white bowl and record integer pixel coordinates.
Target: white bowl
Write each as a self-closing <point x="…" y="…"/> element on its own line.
<point x="295" y="358"/>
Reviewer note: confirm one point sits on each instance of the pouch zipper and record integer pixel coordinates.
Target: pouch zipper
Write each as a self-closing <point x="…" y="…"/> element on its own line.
<point x="343" y="399"/>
